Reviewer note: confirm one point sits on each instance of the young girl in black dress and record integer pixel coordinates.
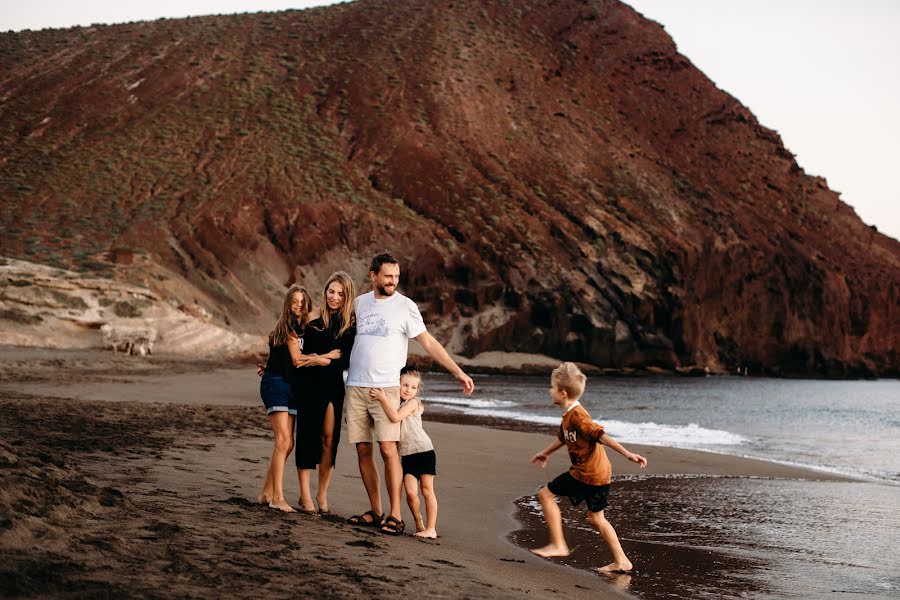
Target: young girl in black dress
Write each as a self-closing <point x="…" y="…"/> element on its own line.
<point x="276" y="390"/>
<point x="329" y="339"/>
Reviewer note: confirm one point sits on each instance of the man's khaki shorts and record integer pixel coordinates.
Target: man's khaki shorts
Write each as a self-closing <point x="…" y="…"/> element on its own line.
<point x="365" y="416"/>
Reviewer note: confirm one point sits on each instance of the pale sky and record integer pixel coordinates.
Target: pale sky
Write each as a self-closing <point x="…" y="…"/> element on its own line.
<point x="825" y="74"/>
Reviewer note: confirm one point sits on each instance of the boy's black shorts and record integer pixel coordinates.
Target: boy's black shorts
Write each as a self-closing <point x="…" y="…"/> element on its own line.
<point x="596" y="496"/>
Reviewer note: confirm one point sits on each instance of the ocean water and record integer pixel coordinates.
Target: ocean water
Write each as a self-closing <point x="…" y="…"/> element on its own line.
<point x="730" y="537"/>
<point x="846" y="427"/>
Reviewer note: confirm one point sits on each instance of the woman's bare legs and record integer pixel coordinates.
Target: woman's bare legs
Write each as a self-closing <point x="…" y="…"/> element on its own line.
<point x="306" y="502"/>
<point x="326" y="466"/>
<point x="283" y="427"/>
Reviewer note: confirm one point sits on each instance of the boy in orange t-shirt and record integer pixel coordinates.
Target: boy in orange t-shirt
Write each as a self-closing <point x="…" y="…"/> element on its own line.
<point x="588" y="478"/>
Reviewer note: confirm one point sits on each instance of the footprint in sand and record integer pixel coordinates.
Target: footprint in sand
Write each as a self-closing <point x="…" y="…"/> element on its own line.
<point x="362" y="544"/>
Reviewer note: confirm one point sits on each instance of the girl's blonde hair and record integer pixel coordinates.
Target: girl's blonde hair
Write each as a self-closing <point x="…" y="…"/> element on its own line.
<point x="568" y="378"/>
<point x="345" y="314"/>
<point x="287" y="322"/>
<point x="413" y="372"/>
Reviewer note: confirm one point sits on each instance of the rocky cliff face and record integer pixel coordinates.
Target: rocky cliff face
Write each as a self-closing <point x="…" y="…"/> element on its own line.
<point x="554" y="177"/>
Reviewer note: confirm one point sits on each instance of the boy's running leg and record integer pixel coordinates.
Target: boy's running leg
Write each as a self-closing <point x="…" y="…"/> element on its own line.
<point x="557" y="545"/>
<point x="431" y="507"/>
<point x="620" y="563"/>
<point x="411" y="486"/>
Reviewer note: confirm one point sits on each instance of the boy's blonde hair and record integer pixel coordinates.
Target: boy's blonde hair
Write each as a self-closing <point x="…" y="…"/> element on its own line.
<point x="568" y="378"/>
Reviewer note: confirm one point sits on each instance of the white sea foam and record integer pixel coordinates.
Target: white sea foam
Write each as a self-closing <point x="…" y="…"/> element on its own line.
<point x="469" y="403"/>
<point x="516" y="416"/>
<point x="678" y="436"/>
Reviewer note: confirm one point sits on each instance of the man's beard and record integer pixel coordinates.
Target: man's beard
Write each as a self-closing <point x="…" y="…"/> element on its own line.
<point x="384" y="292"/>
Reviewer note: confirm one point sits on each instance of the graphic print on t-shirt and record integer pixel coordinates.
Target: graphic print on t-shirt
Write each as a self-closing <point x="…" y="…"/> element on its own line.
<point x="371" y="324"/>
<point x="384" y="327"/>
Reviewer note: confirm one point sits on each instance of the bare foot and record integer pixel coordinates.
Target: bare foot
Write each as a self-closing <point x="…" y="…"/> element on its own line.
<point x="550" y="551"/>
<point x="282" y="506"/>
<point x="263" y="499"/>
<point x="307" y="507"/>
<point x="615" y="567"/>
<point x="428" y="534"/>
<point x="323" y="507"/>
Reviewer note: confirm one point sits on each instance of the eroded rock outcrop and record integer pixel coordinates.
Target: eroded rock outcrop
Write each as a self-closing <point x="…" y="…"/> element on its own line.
<point x="49" y="307"/>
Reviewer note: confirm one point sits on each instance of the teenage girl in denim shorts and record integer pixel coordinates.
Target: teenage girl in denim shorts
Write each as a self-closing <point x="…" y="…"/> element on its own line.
<point x="285" y="343"/>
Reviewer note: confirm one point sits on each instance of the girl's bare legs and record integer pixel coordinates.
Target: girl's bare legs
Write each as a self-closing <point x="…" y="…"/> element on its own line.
<point x="557" y="545"/>
<point x="620" y="563"/>
<point x="411" y="485"/>
<point x="431" y="507"/>
<point x="268" y="491"/>
<point x="326" y="467"/>
<point x="283" y="428"/>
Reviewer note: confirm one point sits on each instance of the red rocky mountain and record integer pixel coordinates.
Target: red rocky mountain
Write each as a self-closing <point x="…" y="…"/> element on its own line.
<point x="554" y="176"/>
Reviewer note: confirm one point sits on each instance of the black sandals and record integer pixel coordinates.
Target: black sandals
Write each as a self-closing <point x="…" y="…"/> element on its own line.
<point x="377" y="520"/>
<point x="392" y="526"/>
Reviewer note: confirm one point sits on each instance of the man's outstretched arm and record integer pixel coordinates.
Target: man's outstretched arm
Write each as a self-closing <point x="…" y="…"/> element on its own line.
<point x="436" y="351"/>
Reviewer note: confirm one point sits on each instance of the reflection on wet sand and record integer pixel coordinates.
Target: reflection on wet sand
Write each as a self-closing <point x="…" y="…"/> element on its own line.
<point x="618" y="580"/>
<point x="695" y="536"/>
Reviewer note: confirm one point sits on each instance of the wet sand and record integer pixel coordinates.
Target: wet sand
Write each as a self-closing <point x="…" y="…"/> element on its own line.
<point x="135" y="477"/>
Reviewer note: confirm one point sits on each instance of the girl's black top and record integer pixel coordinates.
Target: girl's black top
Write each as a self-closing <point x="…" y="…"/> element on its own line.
<point x="280" y="362"/>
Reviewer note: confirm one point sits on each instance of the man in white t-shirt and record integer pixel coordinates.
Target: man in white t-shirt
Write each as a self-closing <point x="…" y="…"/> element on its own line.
<point x="385" y="322"/>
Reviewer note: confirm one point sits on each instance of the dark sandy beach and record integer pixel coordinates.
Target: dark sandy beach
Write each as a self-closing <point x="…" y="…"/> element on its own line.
<point x="135" y="477"/>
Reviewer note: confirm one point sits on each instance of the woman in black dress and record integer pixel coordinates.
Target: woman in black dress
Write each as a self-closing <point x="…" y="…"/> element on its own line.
<point x="319" y="413"/>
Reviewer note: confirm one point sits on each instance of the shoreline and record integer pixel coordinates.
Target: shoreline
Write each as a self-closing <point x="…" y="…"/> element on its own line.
<point x="161" y="459"/>
<point x="486" y="363"/>
<point x="101" y="375"/>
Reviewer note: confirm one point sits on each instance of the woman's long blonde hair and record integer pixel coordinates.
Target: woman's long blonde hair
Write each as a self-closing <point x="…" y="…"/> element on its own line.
<point x="287" y="322"/>
<point x="345" y="314"/>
